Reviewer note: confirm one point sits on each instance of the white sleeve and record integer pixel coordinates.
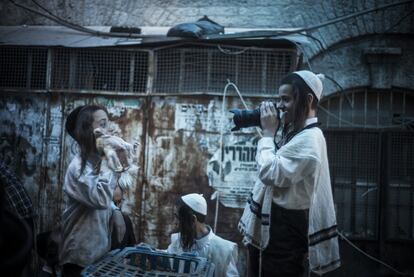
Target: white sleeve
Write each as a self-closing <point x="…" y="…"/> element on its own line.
<point x="232" y="268"/>
<point x="94" y="191"/>
<point x="174" y="247"/>
<point x="278" y="169"/>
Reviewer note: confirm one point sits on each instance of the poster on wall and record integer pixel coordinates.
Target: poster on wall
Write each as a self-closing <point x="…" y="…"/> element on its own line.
<point x="190" y="117"/>
<point x="234" y="176"/>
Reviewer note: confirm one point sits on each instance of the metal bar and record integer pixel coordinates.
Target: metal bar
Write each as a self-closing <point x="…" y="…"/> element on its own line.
<point x="22" y="90"/>
<point x="73" y="61"/>
<point x="209" y="62"/>
<point x="49" y="69"/>
<point x="404" y="99"/>
<point x="144" y="160"/>
<point x="152" y="69"/>
<point x="355" y="143"/>
<point x="118" y="74"/>
<point x="353" y="110"/>
<point x="411" y="208"/>
<point x="378" y="109"/>
<point x="131" y="72"/>
<point x="115" y="93"/>
<point x="95" y="92"/>
<point x="365" y="107"/>
<point x="294" y="61"/>
<point x="264" y="70"/>
<point x="237" y="68"/>
<point x="383" y="176"/>
<point x="341" y="98"/>
<point x="250" y="95"/>
<point x="29" y="68"/>
<point x="182" y="64"/>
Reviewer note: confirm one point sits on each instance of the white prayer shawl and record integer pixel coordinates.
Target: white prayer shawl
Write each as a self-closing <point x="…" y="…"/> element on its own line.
<point x="283" y="170"/>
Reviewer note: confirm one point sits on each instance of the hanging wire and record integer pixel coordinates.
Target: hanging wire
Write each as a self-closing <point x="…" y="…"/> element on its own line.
<point x="74" y="26"/>
<point x="341" y="90"/>
<point x="228" y="52"/>
<point x="223" y="120"/>
<point x="217" y="194"/>
<point x="371" y="257"/>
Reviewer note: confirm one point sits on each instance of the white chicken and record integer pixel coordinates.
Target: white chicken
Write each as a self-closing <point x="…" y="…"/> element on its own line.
<point x="119" y="155"/>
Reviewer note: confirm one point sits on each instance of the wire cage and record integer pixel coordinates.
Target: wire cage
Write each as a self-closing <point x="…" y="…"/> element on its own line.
<point x="23" y="67"/>
<point x="206" y="68"/>
<point x="183" y="69"/>
<point x="143" y="261"/>
<point x="99" y="70"/>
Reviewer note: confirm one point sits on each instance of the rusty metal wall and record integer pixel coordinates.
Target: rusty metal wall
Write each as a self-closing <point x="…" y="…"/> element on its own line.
<point x="176" y="164"/>
<point x="172" y="158"/>
<point x="34" y="144"/>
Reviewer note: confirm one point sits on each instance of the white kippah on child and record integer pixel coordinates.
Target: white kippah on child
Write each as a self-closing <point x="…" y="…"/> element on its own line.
<point x="314" y="81"/>
<point x="196" y="202"/>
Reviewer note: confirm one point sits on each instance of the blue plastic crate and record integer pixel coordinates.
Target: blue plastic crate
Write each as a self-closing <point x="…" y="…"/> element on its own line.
<point x="144" y="261"/>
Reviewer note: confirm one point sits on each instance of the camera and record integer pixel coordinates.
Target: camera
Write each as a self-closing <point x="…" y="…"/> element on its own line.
<point x="248" y="118"/>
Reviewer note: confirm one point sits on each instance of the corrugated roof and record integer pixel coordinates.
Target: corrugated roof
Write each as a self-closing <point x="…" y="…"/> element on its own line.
<point x="63" y="36"/>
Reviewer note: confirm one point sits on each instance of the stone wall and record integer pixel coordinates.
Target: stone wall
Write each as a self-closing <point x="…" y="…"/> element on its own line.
<point x="339" y="50"/>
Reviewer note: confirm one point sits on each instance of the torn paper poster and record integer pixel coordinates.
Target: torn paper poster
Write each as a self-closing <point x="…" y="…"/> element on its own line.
<point x="235" y="180"/>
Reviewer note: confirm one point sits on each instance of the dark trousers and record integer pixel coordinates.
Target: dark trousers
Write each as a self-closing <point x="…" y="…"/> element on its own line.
<point x="288" y="245"/>
<point x="71" y="270"/>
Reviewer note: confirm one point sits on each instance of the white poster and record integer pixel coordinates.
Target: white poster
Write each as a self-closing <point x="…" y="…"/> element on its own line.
<point x="192" y="117"/>
<point x="235" y="175"/>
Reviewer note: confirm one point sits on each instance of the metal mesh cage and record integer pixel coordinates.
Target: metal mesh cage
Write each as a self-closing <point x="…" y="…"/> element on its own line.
<point x="23" y="67"/>
<point x="100" y="70"/>
<point x="354" y="165"/>
<point x="400" y="190"/>
<point x="186" y="69"/>
<point x="206" y="69"/>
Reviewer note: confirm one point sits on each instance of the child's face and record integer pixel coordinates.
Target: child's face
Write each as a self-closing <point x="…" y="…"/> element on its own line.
<point x="286" y="102"/>
<point x="100" y="120"/>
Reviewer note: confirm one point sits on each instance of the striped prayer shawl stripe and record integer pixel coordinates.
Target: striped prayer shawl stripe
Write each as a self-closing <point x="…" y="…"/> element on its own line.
<point x="323" y="231"/>
<point x="334" y="263"/>
<point x="254" y="204"/>
<point x="251" y="239"/>
<point x="323" y="235"/>
<point x="264" y="218"/>
<point x="321" y="239"/>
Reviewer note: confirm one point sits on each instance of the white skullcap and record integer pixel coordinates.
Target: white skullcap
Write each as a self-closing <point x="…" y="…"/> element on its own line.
<point x="314" y="81"/>
<point x="196" y="202"/>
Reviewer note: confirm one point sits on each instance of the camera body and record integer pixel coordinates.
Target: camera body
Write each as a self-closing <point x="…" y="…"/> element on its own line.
<point x="248" y="118"/>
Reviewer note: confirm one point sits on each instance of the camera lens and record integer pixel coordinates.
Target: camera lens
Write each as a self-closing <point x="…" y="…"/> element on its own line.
<point x="247" y="118"/>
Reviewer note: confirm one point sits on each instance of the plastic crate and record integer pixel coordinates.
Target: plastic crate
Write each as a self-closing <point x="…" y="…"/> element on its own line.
<point x="144" y="261"/>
